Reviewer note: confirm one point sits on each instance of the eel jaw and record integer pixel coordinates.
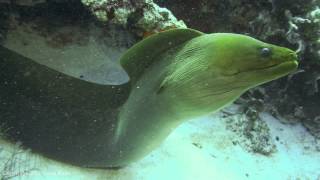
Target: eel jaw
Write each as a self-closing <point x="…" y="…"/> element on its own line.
<point x="252" y="78"/>
<point x="293" y="64"/>
<point x="284" y="68"/>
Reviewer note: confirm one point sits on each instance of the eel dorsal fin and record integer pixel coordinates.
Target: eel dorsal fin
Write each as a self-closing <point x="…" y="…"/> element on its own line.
<point x="143" y="54"/>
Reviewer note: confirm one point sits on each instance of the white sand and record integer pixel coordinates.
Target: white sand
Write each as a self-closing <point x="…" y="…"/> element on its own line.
<point x="179" y="159"/>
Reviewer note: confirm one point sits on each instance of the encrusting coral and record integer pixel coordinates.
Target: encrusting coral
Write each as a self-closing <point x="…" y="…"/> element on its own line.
<point x="144" y="16"/>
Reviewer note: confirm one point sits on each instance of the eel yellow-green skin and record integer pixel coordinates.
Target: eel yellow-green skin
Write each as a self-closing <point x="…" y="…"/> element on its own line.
<point x="175" y="75"/>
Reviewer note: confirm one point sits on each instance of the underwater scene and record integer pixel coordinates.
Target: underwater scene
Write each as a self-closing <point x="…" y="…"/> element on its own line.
<point x="159" y="89"/>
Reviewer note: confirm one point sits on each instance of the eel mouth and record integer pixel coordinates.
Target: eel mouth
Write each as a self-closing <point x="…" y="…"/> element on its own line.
<point x="290" y="65"/>
<point x="286" y="65"/>
<point x="291" y="62"/>
<point x="283" y="68"/>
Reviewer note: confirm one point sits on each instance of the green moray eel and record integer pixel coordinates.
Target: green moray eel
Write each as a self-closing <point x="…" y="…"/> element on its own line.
<point x="174" y="75"/>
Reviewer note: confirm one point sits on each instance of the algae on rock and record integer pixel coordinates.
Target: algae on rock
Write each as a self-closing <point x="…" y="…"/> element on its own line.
<point x="143" y="16"/>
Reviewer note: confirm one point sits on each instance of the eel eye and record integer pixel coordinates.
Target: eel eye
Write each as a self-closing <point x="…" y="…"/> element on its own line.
<point x="265" y="52"/>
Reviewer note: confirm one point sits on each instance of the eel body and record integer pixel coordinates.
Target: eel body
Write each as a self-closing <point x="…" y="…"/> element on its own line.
<point x="174" y="75"/>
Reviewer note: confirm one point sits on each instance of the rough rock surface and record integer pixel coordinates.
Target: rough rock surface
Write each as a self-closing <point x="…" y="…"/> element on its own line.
<point x="253" y="134"/>
<point x="143" y="16"/>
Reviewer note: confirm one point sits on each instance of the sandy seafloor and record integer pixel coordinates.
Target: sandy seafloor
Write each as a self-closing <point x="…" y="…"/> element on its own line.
<point x="179" y="159"/>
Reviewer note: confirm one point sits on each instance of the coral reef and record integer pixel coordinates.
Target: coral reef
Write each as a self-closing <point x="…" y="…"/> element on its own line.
<point x="142" y="16"/>
<point x="301" y="96"/>
<point x="293" y="23"/>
